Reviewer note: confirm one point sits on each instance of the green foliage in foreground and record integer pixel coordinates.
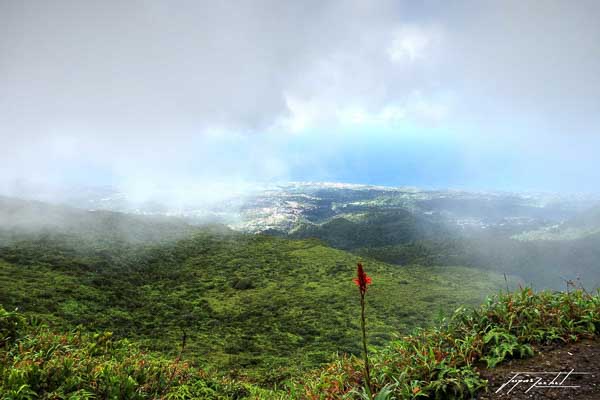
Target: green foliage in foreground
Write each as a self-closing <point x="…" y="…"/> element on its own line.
<point x="38" y="363"/>
<point x="434" y="363"/>
<point x="441" y="363"/>
<point x="255" y="306"/>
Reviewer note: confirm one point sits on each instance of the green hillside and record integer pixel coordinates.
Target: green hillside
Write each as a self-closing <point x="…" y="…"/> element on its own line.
<point x="22" y="218"/>
<point x="371" y="229"/>
<point x="443" y="362"/>
<point x="259" y="305"/>
<point x="402" y="238"/>
<point x="141" y="307"/>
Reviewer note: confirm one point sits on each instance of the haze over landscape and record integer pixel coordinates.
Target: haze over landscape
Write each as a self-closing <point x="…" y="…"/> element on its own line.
<point x="187" y="190"/>
<point x="147" y="96"/>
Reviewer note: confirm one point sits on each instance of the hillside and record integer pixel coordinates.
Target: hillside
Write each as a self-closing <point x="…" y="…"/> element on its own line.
<point x="580" y="226"/>
<point x="258" y="309"/>
<point x="253" y="303"/>
<point x="402" y="237"/>
<point x="371" y="229"/>
<point x="19" y="218"/>
<point x="540" y="263"/>
<point x="453" y="360"/>
<point x="246" y="302"/>
<point x="282" y="207"/>
<point x="544" y="239"/>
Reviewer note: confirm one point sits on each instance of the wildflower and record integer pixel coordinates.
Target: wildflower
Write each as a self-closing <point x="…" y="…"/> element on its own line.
<point x="362" y="279"/>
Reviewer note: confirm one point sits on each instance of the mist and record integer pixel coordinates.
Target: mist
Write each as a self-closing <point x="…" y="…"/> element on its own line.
<point x="198" y="101"/>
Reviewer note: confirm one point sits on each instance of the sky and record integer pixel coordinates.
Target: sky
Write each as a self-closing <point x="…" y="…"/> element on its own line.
<point x="149" y="95"/>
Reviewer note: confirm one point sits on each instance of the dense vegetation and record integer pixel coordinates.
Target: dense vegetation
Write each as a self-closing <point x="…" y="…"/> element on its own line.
<point x="399" y="237"/>
<point x="372" y="229"/>
<point x="542" y="264"/>
<point x="258" y="305"/>
<point x="439" y="362"/>
<point x="41" y="363"/>
<point x="116" y="306"/>
<point x="443" y="362"/>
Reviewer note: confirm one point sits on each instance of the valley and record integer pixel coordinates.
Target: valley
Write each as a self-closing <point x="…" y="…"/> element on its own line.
<point x="253" y="303"/>
<point x="270" y="299"/>
<point x="546" y="239"/>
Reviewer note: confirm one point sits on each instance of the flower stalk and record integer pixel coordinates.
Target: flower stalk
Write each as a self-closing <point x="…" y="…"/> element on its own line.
<point x="362" y="280"/>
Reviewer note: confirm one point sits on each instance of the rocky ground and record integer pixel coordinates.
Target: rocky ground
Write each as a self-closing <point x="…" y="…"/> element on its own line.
<point x="546" y="375"/>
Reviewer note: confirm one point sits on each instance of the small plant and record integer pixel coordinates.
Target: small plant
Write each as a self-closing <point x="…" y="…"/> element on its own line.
<point x="503" y="344"/>
<point x="10" y="325"/>
<point x="362" y="280"/>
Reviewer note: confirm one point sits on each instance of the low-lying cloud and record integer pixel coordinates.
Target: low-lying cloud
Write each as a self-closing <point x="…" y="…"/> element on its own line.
<point x="153" y="93"/>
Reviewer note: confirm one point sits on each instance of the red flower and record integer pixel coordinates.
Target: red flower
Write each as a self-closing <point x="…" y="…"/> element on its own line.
<point x="362" y="279"/>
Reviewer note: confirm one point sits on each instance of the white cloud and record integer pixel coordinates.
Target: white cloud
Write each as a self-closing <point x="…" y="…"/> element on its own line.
<point x="129" y="86"/>
<point x="412" y="44"/>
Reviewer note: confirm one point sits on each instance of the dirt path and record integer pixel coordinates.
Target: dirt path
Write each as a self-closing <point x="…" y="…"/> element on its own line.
<point x="551" y="368"/>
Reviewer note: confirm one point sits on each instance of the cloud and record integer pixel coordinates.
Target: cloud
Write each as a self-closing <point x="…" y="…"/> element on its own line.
<point x="412" y="44"/>
<point x="213" y="91"/>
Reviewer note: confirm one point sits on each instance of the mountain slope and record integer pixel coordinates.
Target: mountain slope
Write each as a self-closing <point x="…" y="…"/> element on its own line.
<point x="371" y="229"/>
<point x="581" y="226"/>
<point x="446" y="361"/>
<point x="20" y="218"/>
<point x="254" y="303"/>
